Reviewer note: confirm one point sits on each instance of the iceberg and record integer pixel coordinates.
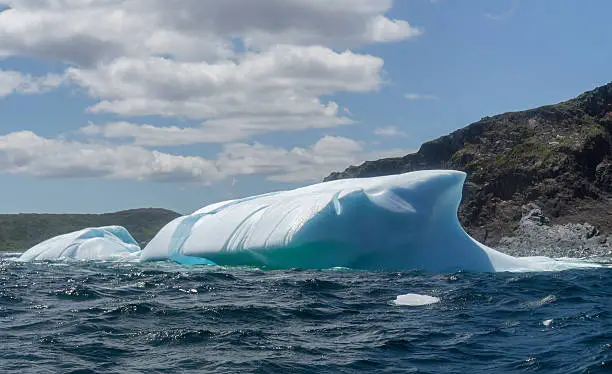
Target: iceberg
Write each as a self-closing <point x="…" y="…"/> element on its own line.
<point x="396" y="222"/>
<point x="100" y="243"/>
<point x="405" y="221"/>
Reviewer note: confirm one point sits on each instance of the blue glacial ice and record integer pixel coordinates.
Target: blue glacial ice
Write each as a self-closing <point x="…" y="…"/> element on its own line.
<point x="101" y="243"/>
<point x="391" y="222"/>
<point x="396" y="222"/>
<point x="406" y="221"/>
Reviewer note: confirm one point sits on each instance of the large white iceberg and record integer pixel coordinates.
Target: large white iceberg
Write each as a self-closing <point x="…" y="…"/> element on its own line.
<point x="406" y="221"/>
<point x="100" y="243"/>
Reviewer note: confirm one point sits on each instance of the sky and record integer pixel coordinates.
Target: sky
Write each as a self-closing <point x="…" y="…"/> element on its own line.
<point x="116" y="104"/>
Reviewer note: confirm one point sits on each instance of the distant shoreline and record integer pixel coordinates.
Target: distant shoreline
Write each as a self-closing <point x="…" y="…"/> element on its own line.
<point x="20" y="231"/>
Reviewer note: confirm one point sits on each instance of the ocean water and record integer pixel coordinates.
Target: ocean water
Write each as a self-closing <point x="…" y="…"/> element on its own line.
<point x="105" y="317"/>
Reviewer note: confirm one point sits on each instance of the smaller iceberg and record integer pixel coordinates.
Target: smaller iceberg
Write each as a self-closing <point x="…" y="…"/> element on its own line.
<point x="99" y="243"/>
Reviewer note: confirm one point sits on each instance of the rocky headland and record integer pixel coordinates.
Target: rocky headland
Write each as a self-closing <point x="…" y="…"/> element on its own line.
<point x="539" y="181"/>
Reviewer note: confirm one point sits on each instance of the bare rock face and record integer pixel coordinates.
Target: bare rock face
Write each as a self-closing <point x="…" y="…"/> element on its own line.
<point x="558" y="157"/>
<point x="603" y="175"/>
<point x="536" y="236"/>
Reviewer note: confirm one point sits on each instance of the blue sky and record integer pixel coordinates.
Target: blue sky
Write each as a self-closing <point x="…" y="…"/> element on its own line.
<point x="109" y="105"/>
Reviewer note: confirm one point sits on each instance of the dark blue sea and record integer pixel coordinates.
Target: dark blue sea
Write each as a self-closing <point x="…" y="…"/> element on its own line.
<point x="97" y="317"/>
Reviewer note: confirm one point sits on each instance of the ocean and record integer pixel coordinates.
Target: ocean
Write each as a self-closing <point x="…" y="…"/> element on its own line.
<point x="112" y="317"/>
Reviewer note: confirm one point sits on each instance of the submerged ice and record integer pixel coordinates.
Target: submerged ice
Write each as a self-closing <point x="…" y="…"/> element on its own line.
<point x="405" y="221"/>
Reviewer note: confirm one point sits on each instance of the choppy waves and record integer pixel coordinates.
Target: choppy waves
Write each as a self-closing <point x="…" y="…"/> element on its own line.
<point x="162" y="317"/>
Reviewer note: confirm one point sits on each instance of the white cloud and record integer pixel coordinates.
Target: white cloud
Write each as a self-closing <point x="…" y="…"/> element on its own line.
<point x="212" y="131"/>
<point x="27" y="153"/>
<point x="284" y="80"/>
<point x="390" y="131"/>
<point x="382" y="29"/>
<point x="15" y="82"/>
<point x="151" y="136"/>
<point x="299" y="164"/>
<point x="277" y="90"/>
<point x="242" y="67"/>
<point x="293" y="165"/>
<point x="238" y="67"/>
<point x="92" y="31"/>
<point x="415" y="96"/>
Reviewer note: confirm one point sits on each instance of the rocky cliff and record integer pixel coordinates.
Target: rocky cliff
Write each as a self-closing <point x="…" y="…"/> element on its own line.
<point x="557" y="158"/>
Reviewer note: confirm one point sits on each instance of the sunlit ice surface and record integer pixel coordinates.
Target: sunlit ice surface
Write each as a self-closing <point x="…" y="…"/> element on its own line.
<point x="397" y="222"/>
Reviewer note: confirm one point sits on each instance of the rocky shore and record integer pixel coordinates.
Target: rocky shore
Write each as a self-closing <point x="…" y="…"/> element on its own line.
<point x="536" y="236"/>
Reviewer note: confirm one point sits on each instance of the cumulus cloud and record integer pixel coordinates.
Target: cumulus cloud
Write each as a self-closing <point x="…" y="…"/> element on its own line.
<point x="278" y="90"/>
<point x="151" y="136"/>
<point x="291" y="165"/>
<point x="27" y="153"/>
<point x="300" y="164"/>
<point x="390" y="131"/>
<point x="12" y="82"/>
<point x="30" y="154"/>
<point x="238" y="68"/>
<point x="382" y="29"/>
<point x="90" y="31"/>
<point x="286" y="80"/>
<point x="245" y="66"/>
<point x="213" y="131"/>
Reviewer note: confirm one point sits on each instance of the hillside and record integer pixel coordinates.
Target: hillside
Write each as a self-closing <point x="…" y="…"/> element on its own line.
<point x="19" y="232"/>
<point x="558" y="157"/>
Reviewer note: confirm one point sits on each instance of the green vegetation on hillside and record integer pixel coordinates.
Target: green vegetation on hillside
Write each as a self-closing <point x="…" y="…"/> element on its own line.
<point x="18" y="232"/>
